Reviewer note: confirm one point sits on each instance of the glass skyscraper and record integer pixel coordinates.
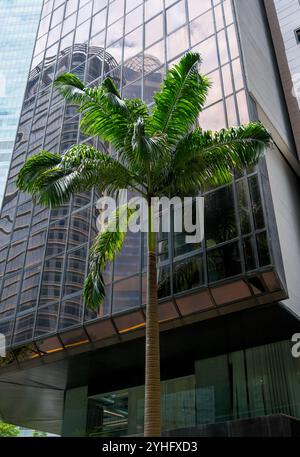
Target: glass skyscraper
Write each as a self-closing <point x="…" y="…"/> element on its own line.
<point x="241" y="267"/>
<point x="19" y="21"/>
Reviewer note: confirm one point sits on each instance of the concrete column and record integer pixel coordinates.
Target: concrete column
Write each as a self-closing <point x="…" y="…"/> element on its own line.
<point x="75" y="412"/>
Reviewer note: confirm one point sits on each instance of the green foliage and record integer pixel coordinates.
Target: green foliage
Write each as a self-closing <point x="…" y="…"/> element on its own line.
<point x="7" y="430"/>
<point x="107" y="245"/>
<point x="52" y="178"/>
<point x="155" y="154"/>
<point x="182" y="97"/>
<point x="37" y="434"/>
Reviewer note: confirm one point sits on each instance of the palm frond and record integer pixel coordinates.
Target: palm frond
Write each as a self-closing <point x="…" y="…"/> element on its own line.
<point x="239" y="147"/>
<point x="112" y="120"/>
<point x="112" y="96"/>
<point x="71" y="88"/>
<point x="214" y="155"/>
<point x="104" y="113"/>
<point x="80" y="169"/>
<point x="146" y="153"/>
<point x="35" y="166"/>
<point x="106" y="246"/>
<point x="178" y="104"/>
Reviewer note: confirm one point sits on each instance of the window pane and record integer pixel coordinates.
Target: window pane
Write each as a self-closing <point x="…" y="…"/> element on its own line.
<point x="133" y="43"/>
<point x="24" y="328"/>
<point x="256" y="203"/>
<point x="213" y="118"/>
<point x="156" y="25"/>
<point x="46" y="319"/>
<point x="220" y="221"/>
<point x="75" y="271"/>
<point x="202" y="28"/>
<point x="248" y="246"/>
<point x="152" y="84"/>
<point x="198" y="7"/>
<point x="128" y="261"/>
<point x="57" y="236"/>
<point x="263" y="249"/>
<point x="116" y="10"/>
<point x="52" y="275"/>
<point x="209" y="54"/>
<point x="71" y="312"/>
<point x="244" y="206"/>
<point x="163" y="279"/>
<point x="175" y="17"/>
<point x="224" y="262"/>
<point x="29" y="293"/>
<point x="215" y="91"/>
<point x="177" y="43"/>
<point x="134" y="19"/>
<point x="126" y="294"/>
<point x="188" y="274"/>
<point x="79" y="228"/>
<point x="152" y="7"/>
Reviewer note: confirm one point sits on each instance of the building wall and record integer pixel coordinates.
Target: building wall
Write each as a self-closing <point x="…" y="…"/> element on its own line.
<point x="43" y="254"/>
<point x="260" y="65"/>
<point x="282" y="166"/>
<point x="288" y="13"/>
<point x="19" y="21"/>
<point x="280" y="15"/>
<point x="285" y="188"/>
<point x="250" y="383"/>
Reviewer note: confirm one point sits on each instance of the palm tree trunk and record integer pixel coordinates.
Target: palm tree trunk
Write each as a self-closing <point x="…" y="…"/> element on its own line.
<point x="152" y="424"/>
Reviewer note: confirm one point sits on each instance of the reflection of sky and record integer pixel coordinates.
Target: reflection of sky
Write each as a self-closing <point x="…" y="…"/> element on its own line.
<point x="114" y="32"/>
<point x="213" y="118"/>
<point x="128" y="48"/>
<point x="176" y="17"/>
<point x="202" y="28"/>
<point x="133" y="43"/>
<point x="152" y="7"/>
<point x="19" y="22"/>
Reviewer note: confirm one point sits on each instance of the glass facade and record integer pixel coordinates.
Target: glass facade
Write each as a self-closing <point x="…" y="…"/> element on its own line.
<point x="43" y="254"/>
<point x="245" y="384"/>
<point x="19" y="22"/>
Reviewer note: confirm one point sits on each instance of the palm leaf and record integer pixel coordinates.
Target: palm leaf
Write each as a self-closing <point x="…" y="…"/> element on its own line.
<point x="178" y="104"/>
<point x="105" y="248"/>
<point x="35" y="166"/>
<point x="80" y="169"/>
<point x="71" y="88"/>
<point x="213" y="155"/>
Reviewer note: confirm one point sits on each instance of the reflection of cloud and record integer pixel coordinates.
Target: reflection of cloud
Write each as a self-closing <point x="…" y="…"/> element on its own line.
<point x="177" y="43"/>
<point x="209" y="54"/>
<point x="202" y="27"/>
<point x="114" y="32"/>
<point x="116" y="51"/>
<point x="176" y="17"/>
<point x="133" y="43"/>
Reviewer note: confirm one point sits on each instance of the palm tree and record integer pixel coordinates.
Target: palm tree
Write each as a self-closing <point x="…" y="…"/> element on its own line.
<point x="156" y="153"/>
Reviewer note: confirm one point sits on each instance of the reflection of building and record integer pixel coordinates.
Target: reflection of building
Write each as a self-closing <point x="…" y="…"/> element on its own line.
<point x="19" y="21"/>
<point x="227" y="307"/>
<point x="132" y="71"/>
